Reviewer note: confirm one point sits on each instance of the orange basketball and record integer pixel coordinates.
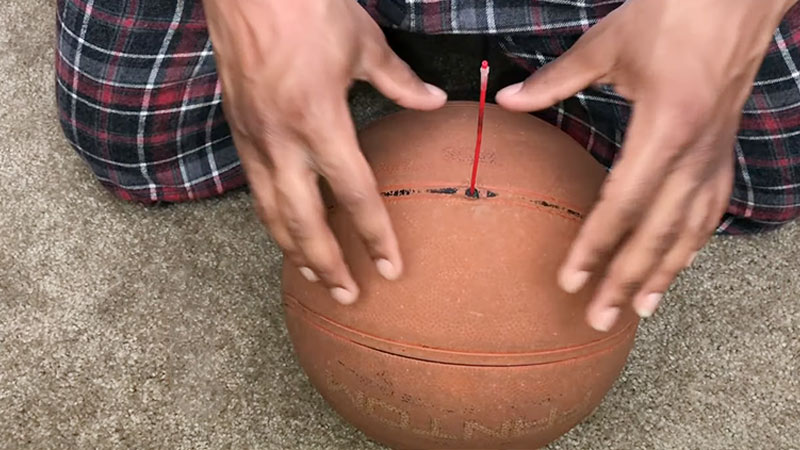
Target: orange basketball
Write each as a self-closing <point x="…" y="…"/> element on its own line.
<point x="475" y="347"/>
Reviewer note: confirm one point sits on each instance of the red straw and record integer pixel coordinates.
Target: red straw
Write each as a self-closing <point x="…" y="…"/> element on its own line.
<point x="484" y="82"/>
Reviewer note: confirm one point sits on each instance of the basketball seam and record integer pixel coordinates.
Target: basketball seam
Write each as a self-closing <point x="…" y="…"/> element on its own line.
<point x="548" y="205"/>
<point x="462" y="364"/>
<point x="429" y="191"/>
<point x="618" y="336"/>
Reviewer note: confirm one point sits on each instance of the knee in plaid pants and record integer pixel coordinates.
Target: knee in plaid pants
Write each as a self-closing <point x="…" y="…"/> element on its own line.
<point x="139" y="98"/>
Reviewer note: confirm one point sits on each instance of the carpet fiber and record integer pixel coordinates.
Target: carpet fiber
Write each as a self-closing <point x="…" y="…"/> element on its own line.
<point x="125" y="326"/>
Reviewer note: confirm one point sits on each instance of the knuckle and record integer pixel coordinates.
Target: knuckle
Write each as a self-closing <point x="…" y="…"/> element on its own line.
<point x="296" y="114"/>
<point x="290" y="251"/>
<point x="263" y="212"/>
<point x="702" y="230"/>
<point x="355" y="191"/>
<point x="378" y="52"/>
<point x="709" y="230"/>
<point x="334" y="169"/>
<point x="394" y="97"/>
<point x="245" y="127"/>
<point x="624" y="281"/>
<point x="714" y="220"/>
<point x="698" y="229"/>
<point x="672" y="267"/>
<point x="590" y="249"/>
<point x="271" y="220"/>
<point x="300" y="217"/>
<point x="246" y="119"/>
<point x="595" y="254"/>
<point x="620" y="197"/>
<point x="327" y="268"/>
<point x="239" y="127"/>
<point x="356" y="197"/>
<point x="295" y="107"/>
<point x="372" y="238"/>
<point x="296" y="227"/>
<point x="628" y="209"/>
<point x="665" y="236"/>
<point x="626" y="288"/>
<point x="286" y="245"/>
<point x="322" y="267"/>
<point x="272" y="225"/>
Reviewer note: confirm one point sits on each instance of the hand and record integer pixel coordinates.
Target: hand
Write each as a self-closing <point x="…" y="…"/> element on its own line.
<point x="285" y="69"/>
<point x="688" y="67"/>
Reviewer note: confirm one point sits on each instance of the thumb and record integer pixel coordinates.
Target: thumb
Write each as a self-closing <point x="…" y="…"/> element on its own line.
<point x="394" y="78"/>
<point x="577" y="68"/>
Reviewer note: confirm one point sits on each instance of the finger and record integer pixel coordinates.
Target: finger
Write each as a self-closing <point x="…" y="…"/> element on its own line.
<point x="267" y="210"/>
<point x="339" y="160"/>
<point x="589" y="60"/>
<point x="648" y="154"/>
<point x="704" y="216"/>
<point x="261" y="183"/>
<point x="641" y="254"/>
<point x="394" y="78"/>
<point x="303" y="213"/>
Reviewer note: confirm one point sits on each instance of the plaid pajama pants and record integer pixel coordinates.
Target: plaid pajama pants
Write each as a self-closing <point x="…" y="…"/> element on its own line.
<point x="139" y="99"/>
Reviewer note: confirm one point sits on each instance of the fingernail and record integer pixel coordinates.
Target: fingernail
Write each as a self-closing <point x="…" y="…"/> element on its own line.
<point x="572" y="282"/>
<point x="386" y="269"/>
<point x="649" y="305"/>
<point x="309" y="274"/>
<point x="510" y="90"/>
<point x="605" y="319"/>
<point x="435" y="91"/>
<point x="343" y="296"/>
<point x="691" y="259"/>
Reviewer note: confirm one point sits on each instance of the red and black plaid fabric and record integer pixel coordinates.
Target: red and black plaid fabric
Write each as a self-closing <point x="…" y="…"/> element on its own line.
<point x="139" y="99"/>
<point x="140" y="102"/>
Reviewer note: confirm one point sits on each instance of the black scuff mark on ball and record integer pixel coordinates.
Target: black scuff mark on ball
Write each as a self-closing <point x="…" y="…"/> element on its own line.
<point x="398" y="192"/>
<point x="476" y="194"/>
<point x="563" y="209"/>
<point x="444" y="190"/>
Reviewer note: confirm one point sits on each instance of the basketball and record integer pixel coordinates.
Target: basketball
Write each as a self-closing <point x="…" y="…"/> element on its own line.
<point x="475" y="346"/>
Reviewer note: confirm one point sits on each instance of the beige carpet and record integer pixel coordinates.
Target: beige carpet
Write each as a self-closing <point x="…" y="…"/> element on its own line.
<point x="122" y="326"/>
